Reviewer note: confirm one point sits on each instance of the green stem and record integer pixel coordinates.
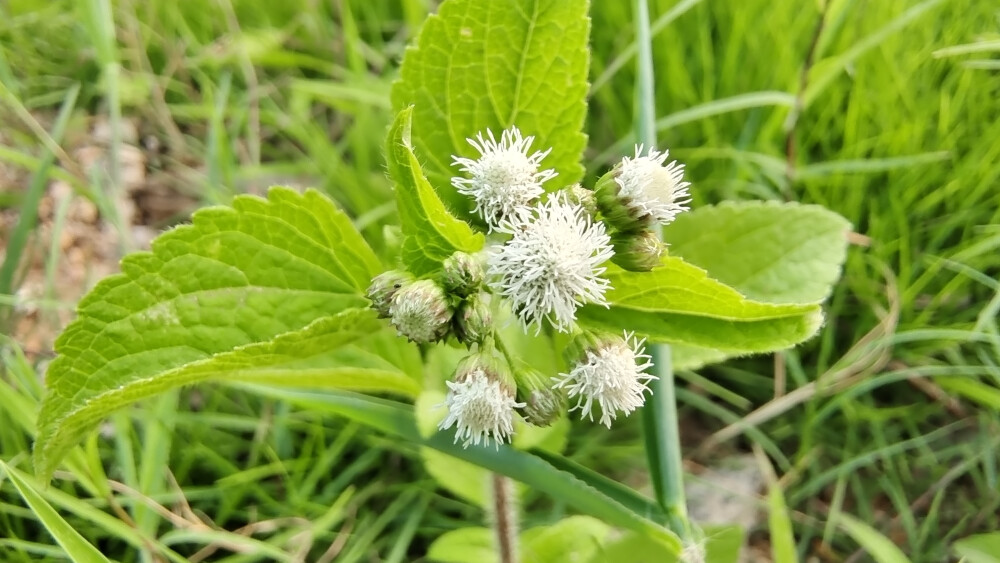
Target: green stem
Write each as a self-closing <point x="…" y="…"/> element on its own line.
<point x="660" y="424"/>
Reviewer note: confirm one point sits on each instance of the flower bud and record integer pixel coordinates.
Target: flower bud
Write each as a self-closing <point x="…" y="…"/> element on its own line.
<point x="542" y="404"/>
<point x="473" y="321"/>
<point x="420" y="312"/>
<point x="637" y="252"/>
<point x="463" y="274"/>
<point x="383" y="287"/>
<point x="642" y="191"/>
<point x="584" y="198"/>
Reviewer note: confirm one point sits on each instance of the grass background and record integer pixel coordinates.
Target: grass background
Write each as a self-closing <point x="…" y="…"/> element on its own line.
<point x="886" y="111"/>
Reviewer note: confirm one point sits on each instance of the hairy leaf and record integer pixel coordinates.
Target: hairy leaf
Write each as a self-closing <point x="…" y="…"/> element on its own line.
<point x="207" y="301"/>
<point x="431" y="232"/>
<point x="481" y="64"/>
<point x="678" y="303"/>
<point x="769" y="251"/>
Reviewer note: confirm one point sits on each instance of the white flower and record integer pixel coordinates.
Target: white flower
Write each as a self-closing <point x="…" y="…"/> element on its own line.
<point x="504" y="180"/>
<point x="481" y="407"/>
<point x="551" y="264"/>
<point x="651" y="188"/>
<point x="612" y="374"/>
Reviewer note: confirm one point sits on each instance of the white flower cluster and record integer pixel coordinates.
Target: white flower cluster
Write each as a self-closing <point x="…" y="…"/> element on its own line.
<point x="549" y="265"/>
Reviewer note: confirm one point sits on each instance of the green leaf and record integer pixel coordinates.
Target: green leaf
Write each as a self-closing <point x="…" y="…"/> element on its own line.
<point x="636" y="547"/>
<point x="768" y="251"/>
<point x="678" y="303"/>
<point x="881" y="549"/>
<point x="571" y="539"/>
<point x="77" y="548"/>
<point x="981" y="548"/>
<point x="229" y="283"/>
<point x="481" y="64"/>
<point x="398" y="419"/>
<point x="723" y="544"/>
<point x="464" y="545"/>
<point x="432" y="233"/>
<point x="779" y="525"/>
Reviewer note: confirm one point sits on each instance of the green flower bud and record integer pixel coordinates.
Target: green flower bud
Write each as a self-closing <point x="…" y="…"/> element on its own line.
<point x="473" y="321"/>
<point x="542" y="403"/>
<point x="643" y="191"/>
<point x="584" y="198"/>
<point x="420" y="312"/>
<point x="384" y="286"/>
<point x="637" y="252"/>
<point x="463" y="274"/>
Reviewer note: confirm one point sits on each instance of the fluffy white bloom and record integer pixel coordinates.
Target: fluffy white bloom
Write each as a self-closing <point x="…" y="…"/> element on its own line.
<point x="505" y="179"/>
<point x="481" y="407"/>
<point x="612" y="374"/>
<point x="551" y="265"/>
<point x="651" y="188"/>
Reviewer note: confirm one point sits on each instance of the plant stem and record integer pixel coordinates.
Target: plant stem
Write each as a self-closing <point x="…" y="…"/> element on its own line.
<point x="660" y="424"/>
<point x="504" y="518"/>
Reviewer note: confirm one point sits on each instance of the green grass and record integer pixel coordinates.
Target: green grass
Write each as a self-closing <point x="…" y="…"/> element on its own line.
<point x="896" y="131"/>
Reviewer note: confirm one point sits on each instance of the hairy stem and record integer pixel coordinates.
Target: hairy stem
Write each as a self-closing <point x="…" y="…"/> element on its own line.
<point x="504" y="518"/>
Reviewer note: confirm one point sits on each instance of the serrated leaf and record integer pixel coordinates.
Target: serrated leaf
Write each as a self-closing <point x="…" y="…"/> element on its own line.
<point x="431" y="232"/>
<point x="231" y="282"/>
<point x="480" y="64"/>
<point x="769" y="251"/>
<point x="678" y="303"/>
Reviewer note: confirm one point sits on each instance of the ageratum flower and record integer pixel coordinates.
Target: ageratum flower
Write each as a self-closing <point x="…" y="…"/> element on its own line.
<point x="480" y="404"/>
<point x="551" y="265"/>
<point x="505" y="179"/>
<point x="610" y="371"/>
<point x="643" y="191"/>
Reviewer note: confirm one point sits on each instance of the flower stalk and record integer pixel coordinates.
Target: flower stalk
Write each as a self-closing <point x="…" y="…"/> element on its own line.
<point x="660" y="423"/>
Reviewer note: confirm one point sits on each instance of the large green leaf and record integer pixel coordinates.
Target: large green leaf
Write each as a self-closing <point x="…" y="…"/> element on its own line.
<point x="482" y="64"/>
<point x="398" y="419"/>
<point x="432" y="233"/>
<point x="227" y="284"/>
<point x="678" y="303"/>
<point x="769" y="251"/>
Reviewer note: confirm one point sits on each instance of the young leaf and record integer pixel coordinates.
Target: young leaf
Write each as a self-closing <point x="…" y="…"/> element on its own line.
<point x="235" y="278"/>
<point x="981" y="548"/>
<point x="769" y="251"/>
<point x="481" y="64"/>
<point x="679" y="303"/>
<point x="432" y="233"/>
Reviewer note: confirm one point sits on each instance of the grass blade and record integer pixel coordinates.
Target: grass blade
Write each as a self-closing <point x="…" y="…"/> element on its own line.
<point x="77" y="548"/>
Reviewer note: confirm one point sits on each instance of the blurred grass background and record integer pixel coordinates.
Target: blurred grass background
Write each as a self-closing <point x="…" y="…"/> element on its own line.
<point x="886" y="111"/>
